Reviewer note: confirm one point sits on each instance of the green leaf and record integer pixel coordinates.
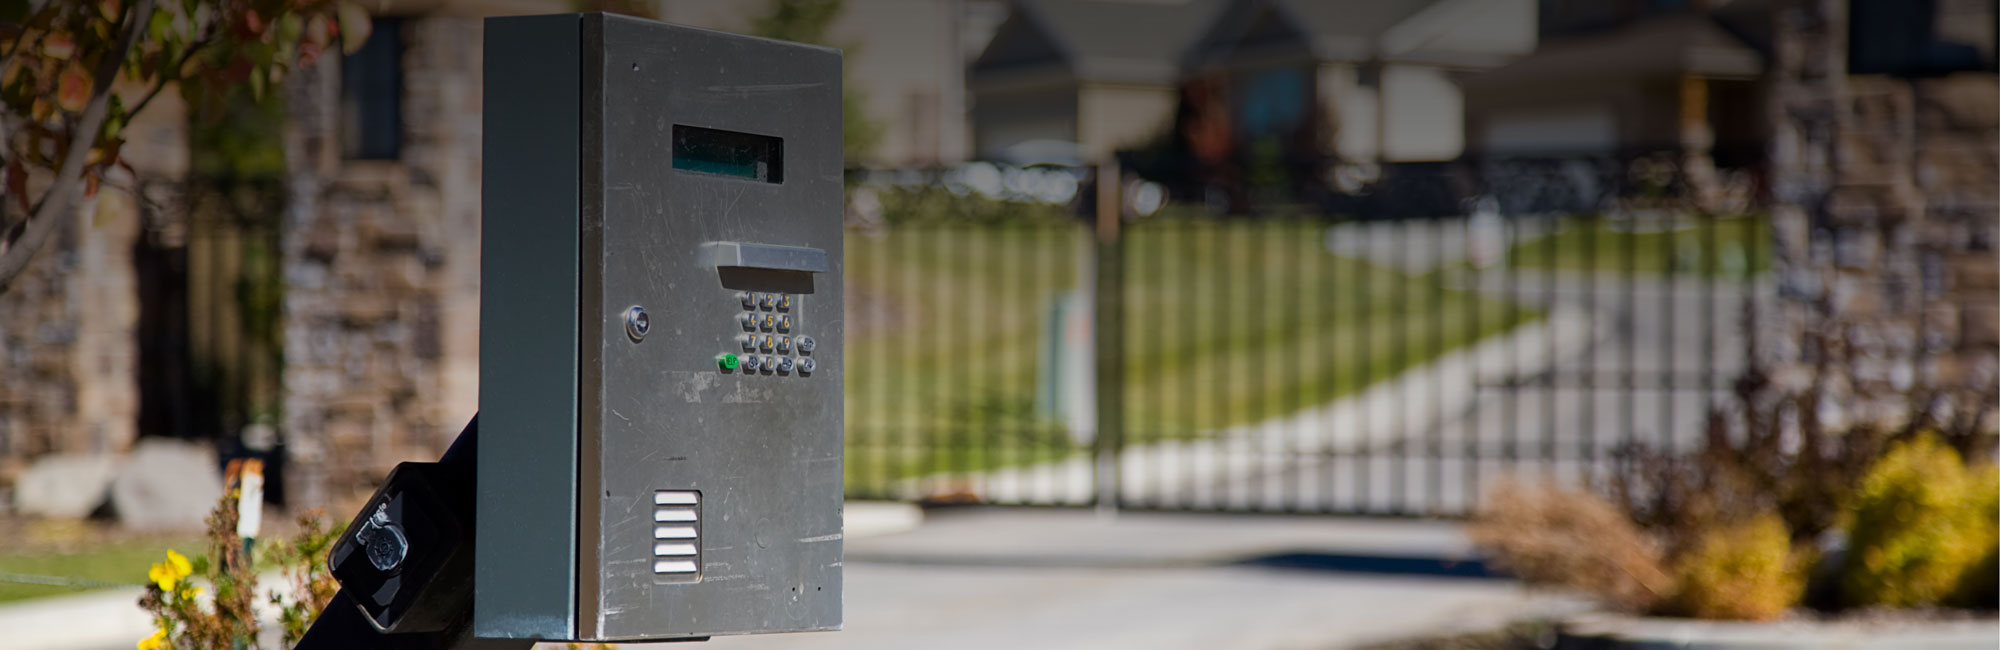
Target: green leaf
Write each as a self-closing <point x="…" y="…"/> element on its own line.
<point x="289" y="27"/>
<point x="258" y="80"/>
<point x="158" y="25"/>
<point x="114" y="122"/>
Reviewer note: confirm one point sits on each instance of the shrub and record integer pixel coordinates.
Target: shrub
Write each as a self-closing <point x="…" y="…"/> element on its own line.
<point x="1747" y="571"/>
<point x="1552" y="536"/>
<point x="184" y="618"/>
<point x="1920" y="521"/>
<point x="301" y="561"/>
<point x="1980" y="586"/>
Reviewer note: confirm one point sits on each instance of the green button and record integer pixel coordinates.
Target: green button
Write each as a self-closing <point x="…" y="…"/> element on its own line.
<point x="728" y="362"/>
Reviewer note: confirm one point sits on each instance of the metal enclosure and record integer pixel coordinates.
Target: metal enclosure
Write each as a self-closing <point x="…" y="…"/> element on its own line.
<point x="660" y="355"/>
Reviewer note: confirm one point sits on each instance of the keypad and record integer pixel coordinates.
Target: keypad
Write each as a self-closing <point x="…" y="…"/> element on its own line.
<point x="771" y="338"/>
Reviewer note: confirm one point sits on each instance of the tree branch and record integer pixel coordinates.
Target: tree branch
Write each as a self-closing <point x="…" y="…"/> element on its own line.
<point x="54" y="206"/>
<point x="165" y="79"/>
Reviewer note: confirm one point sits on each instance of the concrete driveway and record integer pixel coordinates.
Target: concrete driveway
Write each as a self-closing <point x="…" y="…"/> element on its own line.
<point x="1050" y="579"/>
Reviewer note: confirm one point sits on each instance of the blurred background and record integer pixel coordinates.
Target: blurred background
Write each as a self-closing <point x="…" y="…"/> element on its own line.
<point x="1361" y="257"/>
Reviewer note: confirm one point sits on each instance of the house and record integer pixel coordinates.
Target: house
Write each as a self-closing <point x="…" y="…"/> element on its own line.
<point x="1363" y="80"/>
<point x="1624" y="78"/>
<point x="1311" y="100"/>
<point x="1075" y="80"/>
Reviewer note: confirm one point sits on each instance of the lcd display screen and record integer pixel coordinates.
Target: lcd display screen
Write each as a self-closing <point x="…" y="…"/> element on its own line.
<point x="729" y="153"/>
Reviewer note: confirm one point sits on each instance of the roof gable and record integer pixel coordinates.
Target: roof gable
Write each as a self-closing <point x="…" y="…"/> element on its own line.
<point x="1019" y="42"/>
<point x="1467" y="33"/>
<point x="1673" y="45"/>
<point x="1119" y="41"/>
<point x="1452" y="32"/>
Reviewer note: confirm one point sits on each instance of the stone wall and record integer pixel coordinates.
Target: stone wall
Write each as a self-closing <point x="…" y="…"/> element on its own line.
<point x="381" y="271"/>
<point x="1886" y="219"/>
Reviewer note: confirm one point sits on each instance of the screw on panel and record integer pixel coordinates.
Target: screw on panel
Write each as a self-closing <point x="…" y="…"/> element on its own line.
<point x="637" y="323"/>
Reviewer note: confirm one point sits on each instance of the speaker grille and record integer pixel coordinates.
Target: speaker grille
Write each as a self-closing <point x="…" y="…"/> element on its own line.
<point x="677" y="535"/>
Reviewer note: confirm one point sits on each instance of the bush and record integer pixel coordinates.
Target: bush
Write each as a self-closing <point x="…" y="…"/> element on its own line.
<point x="1920" y="521"/>
<point x="1747" y="571"/>
<point x="1552" y="536"/>
<point x="1980" y="586"/>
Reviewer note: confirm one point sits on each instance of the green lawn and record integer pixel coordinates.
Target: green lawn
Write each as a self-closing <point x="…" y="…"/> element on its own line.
<point x="1227" y="323"/>
<point x="120" y="563"/>
<point x="1719" y="246"/>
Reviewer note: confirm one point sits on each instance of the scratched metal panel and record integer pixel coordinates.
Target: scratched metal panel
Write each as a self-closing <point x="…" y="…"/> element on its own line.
<point x="763" y="450"/>
<point x="525" y="563"/>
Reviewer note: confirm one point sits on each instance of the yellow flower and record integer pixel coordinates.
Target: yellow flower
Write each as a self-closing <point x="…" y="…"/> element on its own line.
<point x="153" y="642"/>
<point x="166" y="574"/>
<point x="163" y="575"/>
<point x="180" y="563"/>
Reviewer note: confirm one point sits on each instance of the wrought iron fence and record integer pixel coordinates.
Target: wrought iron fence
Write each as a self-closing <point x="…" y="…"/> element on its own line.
<point x="1003" y="350"/>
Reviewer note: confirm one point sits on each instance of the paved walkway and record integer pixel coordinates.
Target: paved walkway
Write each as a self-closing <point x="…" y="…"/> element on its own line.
<point x="1055" y="579"/>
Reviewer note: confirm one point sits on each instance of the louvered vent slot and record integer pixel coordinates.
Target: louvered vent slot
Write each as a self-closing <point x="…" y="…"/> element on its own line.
<point x="677" y="535"/>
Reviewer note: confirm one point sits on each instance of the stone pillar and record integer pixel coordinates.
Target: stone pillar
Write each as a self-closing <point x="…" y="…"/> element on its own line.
<point x="1885" y="219"/>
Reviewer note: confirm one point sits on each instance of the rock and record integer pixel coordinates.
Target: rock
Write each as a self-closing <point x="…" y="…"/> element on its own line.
<point x="64" y="485"/>
<point x="166" y="485"/>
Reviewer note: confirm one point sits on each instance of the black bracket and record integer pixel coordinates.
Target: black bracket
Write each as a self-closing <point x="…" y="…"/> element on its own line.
<point x="405" y="563"/>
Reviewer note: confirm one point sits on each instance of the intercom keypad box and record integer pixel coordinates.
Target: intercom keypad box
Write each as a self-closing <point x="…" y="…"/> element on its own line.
<point x="661" y="366"/>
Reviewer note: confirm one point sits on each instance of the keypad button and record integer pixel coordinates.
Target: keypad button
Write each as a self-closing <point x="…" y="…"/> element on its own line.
<point x="767" y="322"/>
<point x="785" y="364"/>
<point x="784" y="323"/>
<point x="749" y="322"/>
<point x="749" y="299"/>
<point x="785" y="302"/>
<point x="765" y="343"/>
<point x="767" y="301"/>
<point x="749" y="342"/>
<point x="770" y="363"/>
<point x="785" y="344"/>
<point x="806" y="345"/>
<point x="807" y="365"/>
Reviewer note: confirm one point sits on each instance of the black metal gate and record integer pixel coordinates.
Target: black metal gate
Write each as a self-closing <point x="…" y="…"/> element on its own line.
<point x="210" y="292"/>
<point x="1292" y="362"/>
